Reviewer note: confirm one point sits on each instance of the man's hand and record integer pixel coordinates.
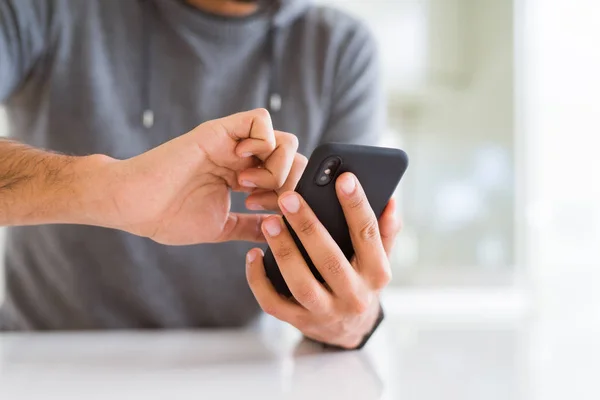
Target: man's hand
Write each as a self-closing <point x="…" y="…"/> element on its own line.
<point x="344" y="310"/>
<point x="177" y="193"/>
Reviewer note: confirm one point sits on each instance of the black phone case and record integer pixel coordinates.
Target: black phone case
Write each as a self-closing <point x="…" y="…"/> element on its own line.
<point x="378" y="170"/>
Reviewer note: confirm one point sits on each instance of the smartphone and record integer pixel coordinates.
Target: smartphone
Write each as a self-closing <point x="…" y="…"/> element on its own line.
<point x="378" y="170"/>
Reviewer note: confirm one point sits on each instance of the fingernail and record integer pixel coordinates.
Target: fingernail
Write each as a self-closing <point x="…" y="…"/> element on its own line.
<point x="248" y="184"/>
<point x="247" y="154"/>
<point x="291" y="203"/>
<point x="255" y="207"/>
<point x="348" y="184"/>
<point x="273" y="227"/>
<point x="250" y="257"/>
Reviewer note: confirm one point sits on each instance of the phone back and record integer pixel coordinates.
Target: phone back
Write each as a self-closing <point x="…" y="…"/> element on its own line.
<point x="378" y="170"/>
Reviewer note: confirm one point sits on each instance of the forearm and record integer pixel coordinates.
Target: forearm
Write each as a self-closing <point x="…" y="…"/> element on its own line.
<point x="40" y="187"/>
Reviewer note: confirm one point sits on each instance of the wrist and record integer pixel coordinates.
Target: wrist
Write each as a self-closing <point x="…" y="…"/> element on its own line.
<point x="92" y="191"/>
<point x="357" y="339"/>
<point x="370" y="323"/>
<point x="42" y="187"/>
<point x="379" y="317"/>
<point x="68" y="190"/>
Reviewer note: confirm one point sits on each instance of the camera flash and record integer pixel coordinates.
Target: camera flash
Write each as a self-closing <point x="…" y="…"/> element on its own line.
<point x="327" y="171"/>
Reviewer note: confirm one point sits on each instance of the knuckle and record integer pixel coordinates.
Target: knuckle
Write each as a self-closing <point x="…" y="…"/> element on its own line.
<point x="357" y="305"/>
<point x="308" y="227"/>
<point x="292" y="140"/>
<point x="283" y="253"/>
<point x="270" y="308"/>
<point x="333" y="265"/>
<point x="382" y="277"/>
<point x="301" y="159"/>
<point x="263" y="113"/>
<point x="301" y="322"/>
<point x="357" y="202"/>
<point x="369" y="231"/>
<point x="307" y="294"/>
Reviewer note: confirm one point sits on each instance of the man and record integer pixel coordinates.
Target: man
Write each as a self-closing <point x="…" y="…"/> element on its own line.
<point x="120" y="78"/>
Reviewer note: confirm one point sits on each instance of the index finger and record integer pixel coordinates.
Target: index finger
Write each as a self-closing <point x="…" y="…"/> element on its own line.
<point x="364" y="228"/>
<point x="321" y="248"/>
<point x="267" y="199"/>
<point x="276" y="166"/>
<point x="253" y="130"/>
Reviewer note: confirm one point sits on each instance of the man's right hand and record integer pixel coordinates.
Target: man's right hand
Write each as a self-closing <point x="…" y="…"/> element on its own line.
<point x="179" y="193"/>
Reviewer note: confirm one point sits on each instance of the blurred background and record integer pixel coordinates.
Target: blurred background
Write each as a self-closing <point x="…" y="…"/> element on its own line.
<point x="449" y="73"/>
<point x="495" y="102"/>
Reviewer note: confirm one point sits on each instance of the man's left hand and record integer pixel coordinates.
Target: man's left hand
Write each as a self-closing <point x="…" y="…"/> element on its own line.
<point x="344" y="310"/>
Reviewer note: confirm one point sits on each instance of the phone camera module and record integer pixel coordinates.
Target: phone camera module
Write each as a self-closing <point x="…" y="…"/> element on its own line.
<point x="327" y="171"/>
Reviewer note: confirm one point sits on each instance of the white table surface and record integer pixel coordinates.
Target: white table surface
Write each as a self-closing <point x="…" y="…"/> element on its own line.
<point x="406" y="360"/>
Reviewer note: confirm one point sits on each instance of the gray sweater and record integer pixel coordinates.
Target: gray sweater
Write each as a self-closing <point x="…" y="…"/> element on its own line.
<point x="119" y="77"/>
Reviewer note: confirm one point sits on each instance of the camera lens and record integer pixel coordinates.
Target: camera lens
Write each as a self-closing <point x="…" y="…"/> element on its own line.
<point x="328" y="171"/>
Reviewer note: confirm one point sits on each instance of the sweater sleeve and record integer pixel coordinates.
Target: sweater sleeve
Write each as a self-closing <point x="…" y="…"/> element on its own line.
<point x="357" y="112"/>
<point x="24" y="27"/>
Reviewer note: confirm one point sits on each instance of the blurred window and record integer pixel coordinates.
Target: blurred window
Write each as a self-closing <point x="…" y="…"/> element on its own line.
<point x="448" y="67"/>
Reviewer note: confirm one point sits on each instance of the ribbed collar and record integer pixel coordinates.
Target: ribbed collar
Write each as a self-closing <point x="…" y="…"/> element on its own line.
<point x="185" y="17"/>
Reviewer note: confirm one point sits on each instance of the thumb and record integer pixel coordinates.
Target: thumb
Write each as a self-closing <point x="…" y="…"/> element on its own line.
<point x="243" y="227"/>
